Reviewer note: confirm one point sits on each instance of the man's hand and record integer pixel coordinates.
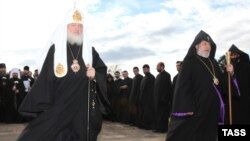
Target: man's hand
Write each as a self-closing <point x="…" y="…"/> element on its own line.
<point x="190" y="113"/>
<point x="14" y="88"/>
<point x="230" y="69"/>
<point x="90" y="72"/>
<point x="124" y="87"/>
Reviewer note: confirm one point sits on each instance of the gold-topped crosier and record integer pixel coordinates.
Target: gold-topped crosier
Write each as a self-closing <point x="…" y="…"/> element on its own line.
<point x="228" y="60"/>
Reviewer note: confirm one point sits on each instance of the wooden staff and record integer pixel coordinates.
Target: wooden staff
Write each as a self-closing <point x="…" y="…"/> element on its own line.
<point x="88" y="114"/>
<point x="229" y="89"/>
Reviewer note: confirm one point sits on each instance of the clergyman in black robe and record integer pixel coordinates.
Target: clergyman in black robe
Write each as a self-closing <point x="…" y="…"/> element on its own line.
<point x="67" y="104"/>
<point x="198" y="106"/>
<point x="117" y="98"/>
<point x="111" y="97"/>
<point x="110" y="88"/>
<point x="4" y="78"/>
<point x="178" y="68"/>
<point x="134" y="97"/>
<point x="146" y="102"/>
<point x="14" y="97"/>
<point x="240" y="100"/>
<point x="125" y="89"/>
<point x="28" y="81"/>
<point x="162" y="98"/>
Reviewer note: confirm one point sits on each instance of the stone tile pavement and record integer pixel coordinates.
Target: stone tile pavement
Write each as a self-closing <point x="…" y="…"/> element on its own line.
<point x="111" y="131"/>
<point x="121" y="132"/>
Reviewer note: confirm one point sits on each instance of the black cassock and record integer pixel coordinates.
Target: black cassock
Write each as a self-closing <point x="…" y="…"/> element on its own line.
<point x="13" y="100"/>
<point x="117" y="99"/>
<point x="61" y="104"/>
<point x="111" y="98"/>
<point x="146" y="102"/>
<point x="196" y="92"/>
<point x="124" y="101"/>
<point x="134" y="99"/>
<point x="28" y="79"/>
<point x="162" y="95"/>
<point x="173" y="87"/>
<point x="3" y="92"/>
<point x="241" y="103"/>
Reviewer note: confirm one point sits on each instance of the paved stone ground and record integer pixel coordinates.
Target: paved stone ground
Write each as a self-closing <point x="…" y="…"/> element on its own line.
<point x="9" y="132"/>
<point x="110" y="132"/>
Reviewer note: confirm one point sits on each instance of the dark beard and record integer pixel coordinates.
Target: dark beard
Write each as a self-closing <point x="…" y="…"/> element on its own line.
<point x="235" y="61"/>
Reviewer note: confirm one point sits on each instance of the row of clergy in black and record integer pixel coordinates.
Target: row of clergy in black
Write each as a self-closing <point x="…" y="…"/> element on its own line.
<point x="144" y="101"/>
<point x="14" y="86"/>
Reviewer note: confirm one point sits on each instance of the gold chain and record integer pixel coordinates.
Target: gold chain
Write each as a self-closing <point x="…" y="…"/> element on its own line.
<point x="74" y="58"/>
<point x="213" y="74"/>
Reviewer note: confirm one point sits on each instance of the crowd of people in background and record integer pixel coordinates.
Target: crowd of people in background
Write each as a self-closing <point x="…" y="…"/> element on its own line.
<point x="144" y="101"/>
<point x="14" y="86"/>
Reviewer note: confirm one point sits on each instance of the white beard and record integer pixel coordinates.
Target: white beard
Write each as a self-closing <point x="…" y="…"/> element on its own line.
<point x="75" y="39"/>
<point x="203" y="54"/>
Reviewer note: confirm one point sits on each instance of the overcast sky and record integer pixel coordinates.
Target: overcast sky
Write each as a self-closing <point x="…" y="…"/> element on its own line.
<point x="125" y="32"/>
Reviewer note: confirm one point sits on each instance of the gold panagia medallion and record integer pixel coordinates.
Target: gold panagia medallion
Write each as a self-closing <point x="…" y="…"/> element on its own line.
<point x="75" y="66"/>
<point x="216" y="81"/>
<point x="60" y="70"/>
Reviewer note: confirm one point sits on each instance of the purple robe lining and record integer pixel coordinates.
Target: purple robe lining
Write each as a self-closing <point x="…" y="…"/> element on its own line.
<point x="236" y="85"/>
<point x="222" y="107"/>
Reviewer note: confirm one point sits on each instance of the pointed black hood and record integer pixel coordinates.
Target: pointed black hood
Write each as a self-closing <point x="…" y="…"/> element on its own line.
<point x="244" y="57"/>
<point x="198" y="38"/>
